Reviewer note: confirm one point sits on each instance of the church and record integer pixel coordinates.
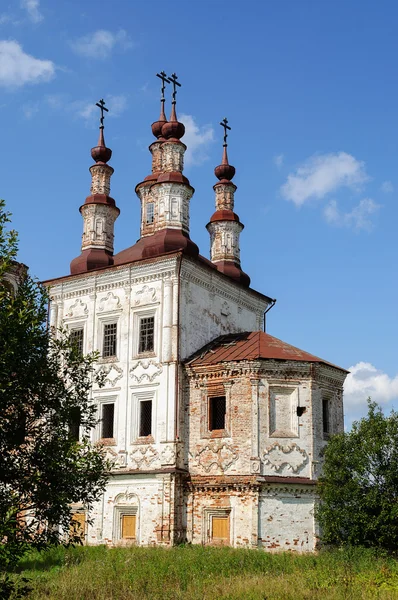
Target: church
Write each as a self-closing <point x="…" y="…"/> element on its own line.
<point x="215" y="429"/>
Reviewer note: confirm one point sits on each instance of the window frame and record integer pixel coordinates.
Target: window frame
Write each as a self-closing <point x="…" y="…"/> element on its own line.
<point x="137" y="397"/>
<point x="136" y="322"/>
<point x="326" y="423"/>
<point x="100" y="401"/>
<point x="72" y="332"/>
<point x="108" y="437"/>
<point x="149" y="205"/>
<point x="115" y="340"/>
<point x="210" y="410"/>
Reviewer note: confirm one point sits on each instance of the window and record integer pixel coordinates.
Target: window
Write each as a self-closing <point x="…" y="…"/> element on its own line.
<point x="325" y="416"/>
<point x="217" y="407"/>
<point x="146" y="337"/>
<point x="76" y="339"/>
<point x="74" y="425"/>
<point x="128" y="527"/>
<point x="150" y="213"/>
<point x="145" y="418"/>
<point x="107" y="418"/>
<point x="110" y="333"/>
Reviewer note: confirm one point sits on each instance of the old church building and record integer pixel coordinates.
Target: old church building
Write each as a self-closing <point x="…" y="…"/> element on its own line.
<point x="215" y="428"/>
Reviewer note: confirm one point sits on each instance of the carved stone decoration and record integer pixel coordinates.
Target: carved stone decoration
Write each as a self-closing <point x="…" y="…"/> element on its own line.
<point x="117" y="459"/>
<point x="110" y="302"/>
<point x="255" y="465"/>
<point x="112" y="374"/>
<point x="168" y="456"/>
<point x="278" y="456"/>
<point x="77" y="309"/>
<point x="146" y="295"/>
<point x="143" y="456"/>
<point x="145" y="369"/>
<point x="216" y="457"/>
<point x="225" y="310"/>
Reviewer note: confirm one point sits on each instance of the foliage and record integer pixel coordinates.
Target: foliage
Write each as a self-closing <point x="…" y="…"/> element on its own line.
<point x="359" y="486"/>
<point x="206" y="573"/>
<point x="44" y="386"/>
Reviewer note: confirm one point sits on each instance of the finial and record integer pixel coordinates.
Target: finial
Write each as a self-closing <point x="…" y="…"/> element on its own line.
<point x="225" y="171"/>
<point x="100" y="152"/>
<point x="157" y="125"/>
<point x="173" y="129"/>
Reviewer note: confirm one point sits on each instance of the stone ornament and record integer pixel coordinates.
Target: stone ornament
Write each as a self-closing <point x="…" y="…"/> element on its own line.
<point x="146" y="295"/>
<point x="77" y="309"/>
<point x="112" y="374"/>
<point x="117" y="459"/>
<point x="144" y="456"/>
<point x="278" y="456"/>
<point x="213" y="457"/>
<point x="145" y="370"/>
<point x="168" y="456"/>
<point x="109" y="303"/>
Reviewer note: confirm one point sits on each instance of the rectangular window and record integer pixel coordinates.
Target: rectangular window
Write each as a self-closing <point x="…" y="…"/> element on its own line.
<point x="147" y="330"/>
<point x="325" y="415"/>
<point x="110" y="333"/>
<point x="220" y="529"/>
<point x="76" y="339"/>
<point x="217" y="406"/>
<point x="107" y="419"/>
<point x="150" y="213"/>
<point x="145" y="418"/>
<point x="74" y="425"/>
<point x="128" y="527"/>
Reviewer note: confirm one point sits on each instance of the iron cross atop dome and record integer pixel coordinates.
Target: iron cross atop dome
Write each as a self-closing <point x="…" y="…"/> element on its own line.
<point x="101" y="106"/>
<point x="224" y="124"/>
<point x="173" y="80"/>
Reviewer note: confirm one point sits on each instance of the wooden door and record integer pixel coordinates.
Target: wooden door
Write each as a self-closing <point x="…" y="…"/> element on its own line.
<point x="128" y="526"/>
<point x="79" y="525"/>
<point x="220" y="530"/>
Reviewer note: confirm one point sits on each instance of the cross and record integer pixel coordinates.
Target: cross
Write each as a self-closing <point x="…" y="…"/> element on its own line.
<point x="173" y="80"/>
<point x="101" y="106"/>
<point x="162" y="75"/>
<point x="224" y="123"/>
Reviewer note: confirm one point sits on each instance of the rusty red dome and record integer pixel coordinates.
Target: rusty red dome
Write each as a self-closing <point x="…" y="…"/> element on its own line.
<point x="100" y="153"/>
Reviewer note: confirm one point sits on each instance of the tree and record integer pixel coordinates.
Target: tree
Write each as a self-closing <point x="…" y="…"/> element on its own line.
<point x="45" y="388"/>
<point x="359" y="486"/>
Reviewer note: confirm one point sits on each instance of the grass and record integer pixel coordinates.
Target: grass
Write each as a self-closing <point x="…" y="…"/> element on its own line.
<point x="198" y="573"/>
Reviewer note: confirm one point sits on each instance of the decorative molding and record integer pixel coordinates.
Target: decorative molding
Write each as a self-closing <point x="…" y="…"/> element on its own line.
<point x="77" y="309"/>
<point x="277" y="456"/>
<point x="111" y="378"/>
<point x="168" y="456"/>
<point x="146" y="295"/>
<point x="118" y="459"/>
<point x="219" y="457"/>
<point x="144" y="456"/>
<point x="110" y="302"/>
<point x="146" y="369"/>
<point x="225" y="310"/>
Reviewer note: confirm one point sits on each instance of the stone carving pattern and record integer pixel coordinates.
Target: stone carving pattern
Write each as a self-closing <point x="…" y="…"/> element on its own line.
<point x="109" y="302"/>
<point x="111" y="378"/>
<point x="146" y="369"/>
<point x="225" y="310"/>
<point x="216" y="457"/>
<point x="278" y="456"/>
<point x="144" y="456"/>
<point x="146" y="295"/>
<point x="117" y="459"/>
<point x="168" y="456"/>
<point x="77" y="309"/>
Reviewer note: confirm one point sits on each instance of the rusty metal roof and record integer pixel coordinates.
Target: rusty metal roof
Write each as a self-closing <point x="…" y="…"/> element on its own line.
<point x="250" y="345"/>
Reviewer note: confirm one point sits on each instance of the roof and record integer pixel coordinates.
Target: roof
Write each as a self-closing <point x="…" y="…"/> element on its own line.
<point x="250" y="345"/>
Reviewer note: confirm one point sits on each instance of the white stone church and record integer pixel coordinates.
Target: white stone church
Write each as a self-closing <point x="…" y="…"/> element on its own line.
<point x="214" y="427"/>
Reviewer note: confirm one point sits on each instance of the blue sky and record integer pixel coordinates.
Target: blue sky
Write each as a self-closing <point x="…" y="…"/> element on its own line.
<point x="311" y="92"/>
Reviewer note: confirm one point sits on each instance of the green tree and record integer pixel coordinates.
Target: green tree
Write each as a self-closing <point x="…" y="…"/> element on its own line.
<point x="45" y="386"/>
<point x="359" y="486"/>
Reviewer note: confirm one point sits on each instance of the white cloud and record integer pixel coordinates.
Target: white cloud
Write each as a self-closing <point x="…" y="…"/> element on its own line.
<point x="322" y="174"/>
<point x="358" y="218"/>
<point x="101" y="43"/>
<point x="32" y="8"/>
<point x="87" y="110"/>
<point x="364" y="381"/>
<point x="30" y="110"/>
<point x="4" y="18"/>
<point x="18" y="68"/>
<point x="197" y="140"/>
<point x="387" y="187"/>
<point x="278" y="160"/>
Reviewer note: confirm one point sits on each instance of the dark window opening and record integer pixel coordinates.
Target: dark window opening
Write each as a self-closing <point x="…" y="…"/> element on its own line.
<point x="301" y="410"/>
<point x="147" y="329"/>
<point x="325" y="415"/>
<point x="145" y="418"/>
<point x="150" y="213"/>
<point x="108" y="413"/>
<point x="76" y="339"/>
<point x="74" y="425"/>
<point x="217" y="406"/>
<point x="110" y="332"/>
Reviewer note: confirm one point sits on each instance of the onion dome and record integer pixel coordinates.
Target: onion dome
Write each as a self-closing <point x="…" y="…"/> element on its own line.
<point x="224" y="172"/>
<point x="173" y="130"/>
<point x="157" y="125"/>
<point x="100" y="153"/>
